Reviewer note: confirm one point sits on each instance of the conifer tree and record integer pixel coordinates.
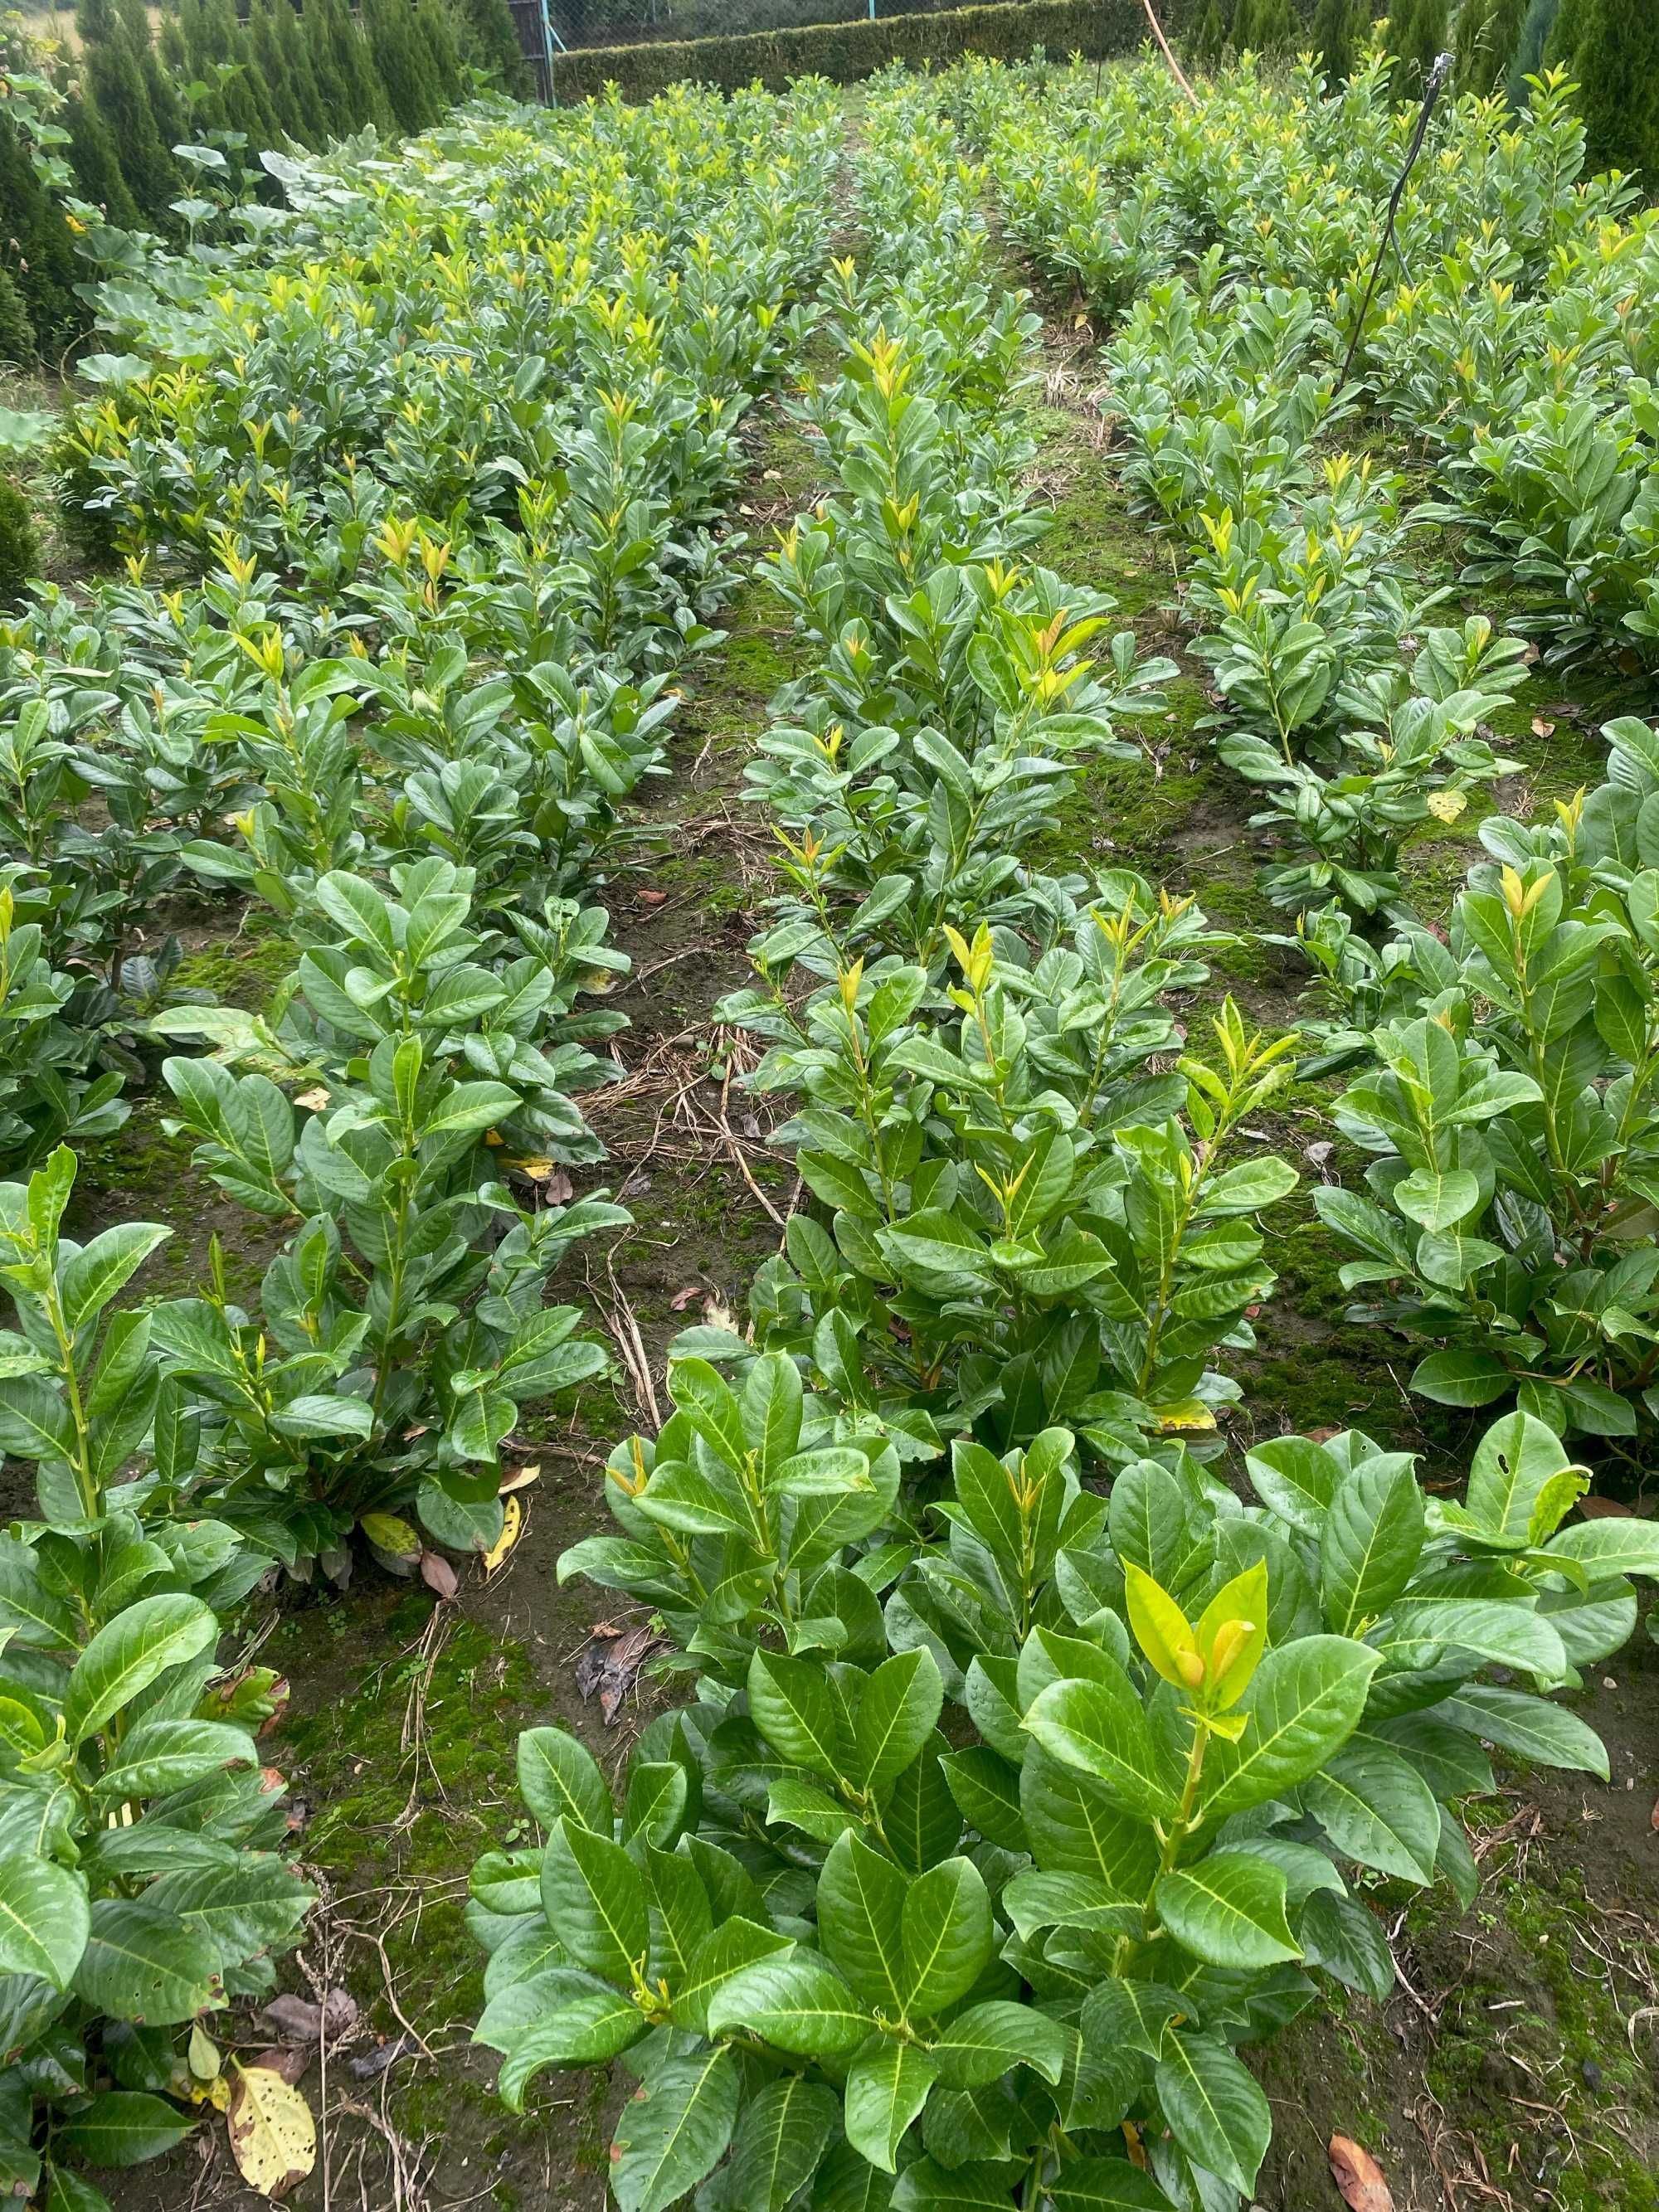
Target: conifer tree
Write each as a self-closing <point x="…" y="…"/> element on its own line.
<point x="96" y="166"/>
<point x="171" y="122"/>
<point x="1241" y="34"/>
<point x="114" y="72"/>
<point x="1274" y="29"/>
<point x="16" y="330"/>
<point x="1616" y="64"/>
<point x="36" y="249"/>
<point x="345" y="68"/>
<point x="1528" y="59"/>
<point x="436" y="29"/>
<point x="222" y="57"/>
<point x="1334" y="35"/>
<point x="1561" y="39"/>
<point x="489" y="44"/>
<point x="1417" y="31"/>
<point x="1486" y="40"/>
<point x="403" y="63"/>
<point x="1205" y="43"/>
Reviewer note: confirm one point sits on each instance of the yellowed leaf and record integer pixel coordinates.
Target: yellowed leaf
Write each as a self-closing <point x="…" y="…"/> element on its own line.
<point x="390" y="1533"/>
<point x="1447" y="806"/>
<point x="512" y="1529"/>
<point x="521" y="1478"/>
<point x="313" y="1101"/>
<point x="1187" y="1413"/>
<point x="273" y="2137"/>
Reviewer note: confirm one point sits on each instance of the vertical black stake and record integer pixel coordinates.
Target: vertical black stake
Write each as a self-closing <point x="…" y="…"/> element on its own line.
<point x="1431" y="91"/>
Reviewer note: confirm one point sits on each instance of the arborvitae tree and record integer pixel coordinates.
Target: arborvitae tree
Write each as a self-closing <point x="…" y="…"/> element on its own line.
<point x="19" y="547"/>
<point x="96" y="165"/>
<point x="345" y="68"/>
<point x="279" y="54"/>
<point x="489" y="44"/>
<point x="403" y="62"/>
<point x="1487" y="35"/>
<point x="1566" y="32"/>
<point x="1535" y="29"/>
<point x="1274" y="29"/>
<point x="222" y="57"/>
<point x="1205" y="42"/>
<point x="436" y="29"/>
<point x="114" y="72"/>
<point x="1417" y="32"/>
<point x="1616" y="63"/>
<point x="1334" y="35"/>
<point x="1240" y="34"/>
<point x="172" y="121"/>
<point x="16" y="330"/>
<point x="36" y="249"/>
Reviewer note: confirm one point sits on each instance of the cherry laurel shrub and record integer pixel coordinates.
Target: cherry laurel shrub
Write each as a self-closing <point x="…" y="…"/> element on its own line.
<point x="934" y="1927"/>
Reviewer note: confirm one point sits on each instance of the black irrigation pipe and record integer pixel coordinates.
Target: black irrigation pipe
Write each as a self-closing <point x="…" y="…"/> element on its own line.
<point x="1431" y="91"/>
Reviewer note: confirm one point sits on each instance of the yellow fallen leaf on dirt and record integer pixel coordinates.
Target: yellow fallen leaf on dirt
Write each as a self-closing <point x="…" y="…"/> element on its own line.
<point x="512" y="1529"/>
<point x="273" y="2137"/>
<point x="521" y="1478"/>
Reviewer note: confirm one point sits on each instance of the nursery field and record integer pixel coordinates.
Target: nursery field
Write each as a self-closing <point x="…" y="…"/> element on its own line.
<point x="830" y="1082"/>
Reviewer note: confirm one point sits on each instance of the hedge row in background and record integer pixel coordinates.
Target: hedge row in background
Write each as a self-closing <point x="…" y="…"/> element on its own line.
<point x="847" y="53"/>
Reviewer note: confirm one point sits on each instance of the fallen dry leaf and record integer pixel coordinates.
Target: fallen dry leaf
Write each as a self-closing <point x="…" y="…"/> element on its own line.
<point x="273" y="2137"/>
<point x="286" y="2060"/>
<point x="302" y="2019"/>
<point x="438" y="1574"/>
<point x="1360" y="2178"/>
<point x="520" y="1478"/>
<point x="1541" y="727"/>
<point x="1653" y="1817"/>
<point x="512" y="1529"/>
<point x="1604" y="1508"/>
<point x="650" y="899"/>
<point x="689" y="1295"/>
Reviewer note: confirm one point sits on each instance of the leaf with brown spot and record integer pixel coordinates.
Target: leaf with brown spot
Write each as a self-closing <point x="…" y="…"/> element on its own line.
<point x="273" y="2137"/>
<point x="1360" y="2178"/>
<point x="512" y="1527"/>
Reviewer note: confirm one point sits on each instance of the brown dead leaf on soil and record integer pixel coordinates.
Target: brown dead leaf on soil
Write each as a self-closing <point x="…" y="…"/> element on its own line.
<point x="1360" y="2178"/>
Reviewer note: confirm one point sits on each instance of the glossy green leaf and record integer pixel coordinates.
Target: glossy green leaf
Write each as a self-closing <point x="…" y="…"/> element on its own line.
<point x="887" y="2085"/>
<point x="1229" y="1910"/>
<point x="673" y="2131"/>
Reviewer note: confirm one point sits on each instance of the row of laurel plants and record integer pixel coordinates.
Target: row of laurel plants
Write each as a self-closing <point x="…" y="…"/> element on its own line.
<point x="1510" y="1218"/>
<point x="417" y="495"/>
<point x="1029" y="1769"/>
<point x="1516" y="351"/>
<point x="1233" y="241"/>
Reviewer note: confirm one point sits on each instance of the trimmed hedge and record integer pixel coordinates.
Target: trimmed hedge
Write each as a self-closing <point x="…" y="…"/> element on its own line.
<point x="846" y="53"/>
